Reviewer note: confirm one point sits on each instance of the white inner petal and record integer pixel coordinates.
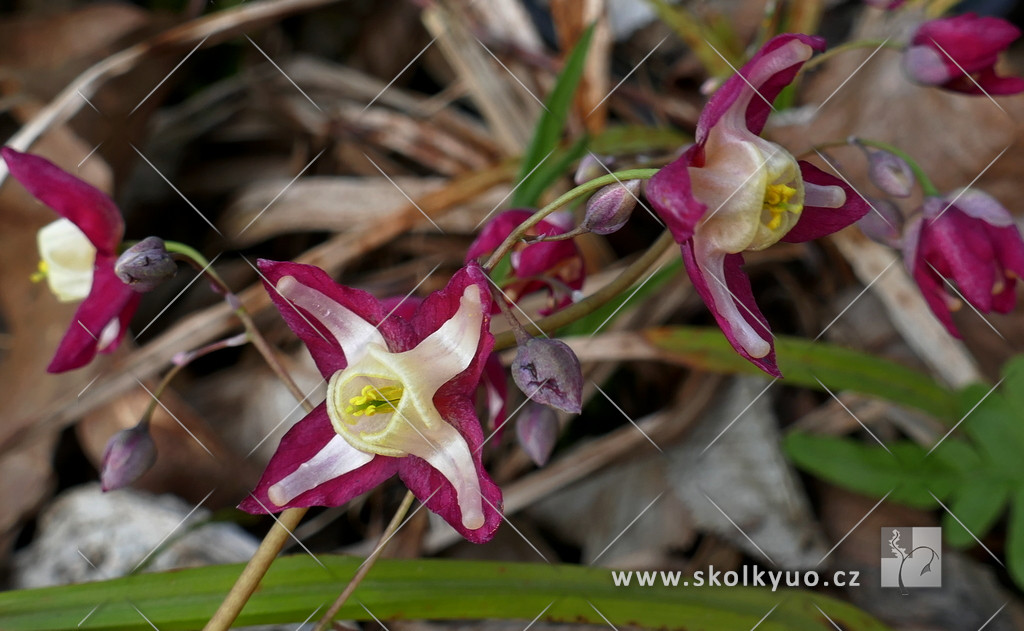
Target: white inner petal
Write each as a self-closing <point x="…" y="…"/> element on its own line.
<point x="729" y="308"/>
<point x="450" y="349"/>
<point x="69" y="257"/>
<point x="109" y="333"/>
<point x="820" y="196"/>
<point x="335" y="459"/>
<point x="352" y="332"/>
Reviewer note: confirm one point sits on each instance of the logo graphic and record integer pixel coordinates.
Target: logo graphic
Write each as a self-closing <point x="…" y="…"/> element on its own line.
<point x="910" y="557"/>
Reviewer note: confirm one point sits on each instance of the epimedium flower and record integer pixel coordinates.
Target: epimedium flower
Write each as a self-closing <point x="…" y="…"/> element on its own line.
<point x="968" y="237"/>
<point x="399" y="398"/>
<point x="959" y="53"/>
<point x="554" y="265"/>
<point x="78" y="255"/>
<point x="733" y="191"/>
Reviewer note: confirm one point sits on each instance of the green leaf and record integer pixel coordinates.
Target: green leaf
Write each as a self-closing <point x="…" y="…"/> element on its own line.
<point x="989" y="421"/>
<point x="297" y="587"/>
<point x="906" y="474"/>
<point x="537" y="170"/>
<point x="1015" y="538"/>
<point x="805" y="362"/>
<point x="979" y="501"/>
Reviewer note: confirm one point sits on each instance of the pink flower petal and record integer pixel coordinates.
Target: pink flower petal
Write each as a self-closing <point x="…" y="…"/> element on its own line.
<point x="816" y="221"/>
<point x="300" y="445"/>
<point x="441" y="306"/>
<point x="758" y="83"/>
<point x="84" y="205"/>
<point x="671" y="195"/>
<point x="109" y="300"/>
<point x="324" y="345"/>
<point x="966" y="45"/>
<point x="434" y="490"/>
<point x="735" y="310"/>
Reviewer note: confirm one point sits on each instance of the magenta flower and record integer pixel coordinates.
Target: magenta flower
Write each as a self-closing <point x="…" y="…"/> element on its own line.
<point x="734" y="191"/>
<point x="399" y="399"/>
<point x="959" y="54"/>
<point x="78" y="254"/>
<point x="970" y="238"/>
<point x="554" y="265"/>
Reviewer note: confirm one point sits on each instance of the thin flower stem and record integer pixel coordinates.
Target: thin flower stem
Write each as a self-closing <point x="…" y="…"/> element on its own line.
<point x="191" y="256"/>
<point x="289" y="519"/>
<point x="364" y="569"/>
<point x="579" y="191"/>
<point x="255" y="569"/>
<point x="184" y="360"/>
<point x="596" y="300"/>
<point x="842" y="48"/>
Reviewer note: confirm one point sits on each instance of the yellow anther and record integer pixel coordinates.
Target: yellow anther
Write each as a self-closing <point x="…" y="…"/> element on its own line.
<point x="373" y="400"/>
<point x="41" y="273"/>
<point x="776" y="201"/>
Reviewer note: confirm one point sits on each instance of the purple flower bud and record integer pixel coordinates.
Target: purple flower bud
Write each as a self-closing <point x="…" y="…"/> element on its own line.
<point x="883" y="223"/>
<point x="592" y="167"/>
<point x="537" y="431"/>
<point x="145" y="265"/>
<point x="128" y="455"/>
<point x="548" y="372"/>
<point x="890" y="173"/>
<point x="609" y="208"/>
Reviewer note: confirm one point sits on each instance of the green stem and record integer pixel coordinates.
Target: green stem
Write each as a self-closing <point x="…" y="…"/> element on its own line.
<point x="364" y="569"/>
<point x="596" y="300"/>
<point x="842" y="48"/>
<point x="579" y="191"/>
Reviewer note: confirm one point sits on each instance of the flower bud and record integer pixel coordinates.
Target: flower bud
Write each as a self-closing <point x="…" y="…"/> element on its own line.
<point x="890" y="173"/>
<point x="537" y="431"/>
<point x="128" y="455"/>
<point x="609" y="208"/>
<point x="145" y="265"/>
<point x="883" y="223"/>
<point x="548" y="372"/>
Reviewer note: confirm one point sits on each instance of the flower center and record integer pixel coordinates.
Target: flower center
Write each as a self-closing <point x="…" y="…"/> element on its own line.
<point x="776" y="203"/>
<point x="372" y="400"/>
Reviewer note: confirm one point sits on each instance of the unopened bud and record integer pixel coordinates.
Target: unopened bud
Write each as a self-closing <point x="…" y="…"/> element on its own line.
<point x="883" y="223"/>
<point x="890" y="173"/>
<point x="548" y="372"/>
<point x="145" y="265"/>
<point x="129" y="454"/>
<point x="592" y="167"/>
<point x="537" y="431"/>
<point x="609" y="208"/>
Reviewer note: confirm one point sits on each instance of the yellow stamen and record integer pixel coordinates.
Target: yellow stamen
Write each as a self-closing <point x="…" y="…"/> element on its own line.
<point x="776" y="201"/>
<point x="41" y="273"/>
<point x="373" y="400"/>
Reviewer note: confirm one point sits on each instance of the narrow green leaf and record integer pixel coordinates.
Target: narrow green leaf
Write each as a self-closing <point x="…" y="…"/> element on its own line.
<point x="804" y="362"/>
<point x="536" y="170"/>
<point x="297" y="587"/>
